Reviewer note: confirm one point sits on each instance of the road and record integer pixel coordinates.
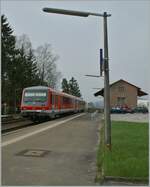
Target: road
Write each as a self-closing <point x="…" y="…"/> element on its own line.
<point x="58" y="152"/>
<point x="136" y="117"/>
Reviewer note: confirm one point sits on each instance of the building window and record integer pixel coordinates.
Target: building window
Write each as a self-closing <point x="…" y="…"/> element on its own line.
<point x="121" y="89"/>
<point x="120" y="100"/>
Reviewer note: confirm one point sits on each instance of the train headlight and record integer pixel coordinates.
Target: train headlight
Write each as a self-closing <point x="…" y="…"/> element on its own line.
<point x="38" y="110"/>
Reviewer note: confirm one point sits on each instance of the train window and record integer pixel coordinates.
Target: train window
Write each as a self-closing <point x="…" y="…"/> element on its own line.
<point x="53" y="99"/>
<point x="35" y="96"/>
<point x="66" y="100"/>
<point x="56" y="99"/>
<point x="61" y="101"/>
<point x="29" y="94"/>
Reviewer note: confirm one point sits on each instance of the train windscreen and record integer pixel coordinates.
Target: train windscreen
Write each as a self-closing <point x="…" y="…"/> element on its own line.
<point x="35" y="97"/>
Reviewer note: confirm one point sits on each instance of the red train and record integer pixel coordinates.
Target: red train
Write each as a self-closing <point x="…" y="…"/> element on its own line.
<point x="43" y="102"/>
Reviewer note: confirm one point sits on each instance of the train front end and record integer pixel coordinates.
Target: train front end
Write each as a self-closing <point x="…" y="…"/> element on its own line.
<point x="35" y="102"/>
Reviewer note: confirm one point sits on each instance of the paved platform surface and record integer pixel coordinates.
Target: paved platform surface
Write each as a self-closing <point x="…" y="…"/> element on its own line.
<point x="63" y="155"/>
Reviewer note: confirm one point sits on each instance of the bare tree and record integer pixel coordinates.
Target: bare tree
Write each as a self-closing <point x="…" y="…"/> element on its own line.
<point x="47" y="67"/>
<point x="24" y="41"/>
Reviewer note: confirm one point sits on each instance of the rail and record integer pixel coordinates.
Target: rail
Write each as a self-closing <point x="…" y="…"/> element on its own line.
<point x="15" y="124"/>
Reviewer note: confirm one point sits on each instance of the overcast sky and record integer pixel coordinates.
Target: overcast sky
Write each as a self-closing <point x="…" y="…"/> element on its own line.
<point x="77" y="40"/>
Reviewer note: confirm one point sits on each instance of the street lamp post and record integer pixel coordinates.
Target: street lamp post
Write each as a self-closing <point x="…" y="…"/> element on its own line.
<point x="106" y="65"/>
<point x="106" y="87"/>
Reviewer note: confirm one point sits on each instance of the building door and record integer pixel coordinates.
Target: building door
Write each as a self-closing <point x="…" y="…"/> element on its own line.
<point x="120" y="101"/>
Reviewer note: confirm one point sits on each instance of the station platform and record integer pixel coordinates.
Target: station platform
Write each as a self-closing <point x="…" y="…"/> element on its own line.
<point x="61" y="152"/>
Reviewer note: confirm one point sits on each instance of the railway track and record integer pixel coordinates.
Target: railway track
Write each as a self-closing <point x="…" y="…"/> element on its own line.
<point x="14" y="124"/>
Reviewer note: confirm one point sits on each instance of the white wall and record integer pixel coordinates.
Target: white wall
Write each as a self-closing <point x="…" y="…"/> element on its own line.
<point x="141" y="102"/>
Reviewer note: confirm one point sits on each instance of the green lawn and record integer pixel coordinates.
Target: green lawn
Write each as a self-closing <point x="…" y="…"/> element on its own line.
<point x="129" y="155"/>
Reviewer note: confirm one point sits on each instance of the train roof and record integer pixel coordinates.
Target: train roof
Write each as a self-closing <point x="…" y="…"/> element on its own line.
<point x="37" y="88"/>
<point x="48" y="88"/>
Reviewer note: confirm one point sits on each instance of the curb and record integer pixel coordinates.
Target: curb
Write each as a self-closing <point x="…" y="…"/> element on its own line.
<point x="126" y="180"/>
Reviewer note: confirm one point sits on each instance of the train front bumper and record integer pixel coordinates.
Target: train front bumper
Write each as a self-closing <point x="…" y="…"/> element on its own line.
<point x="40" y="113"/>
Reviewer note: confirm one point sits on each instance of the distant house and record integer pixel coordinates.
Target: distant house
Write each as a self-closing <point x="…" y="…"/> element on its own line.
<point x="123" y="93"/>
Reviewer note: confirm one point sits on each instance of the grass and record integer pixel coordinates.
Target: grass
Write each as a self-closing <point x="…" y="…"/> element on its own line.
<point x="129" y="155"/>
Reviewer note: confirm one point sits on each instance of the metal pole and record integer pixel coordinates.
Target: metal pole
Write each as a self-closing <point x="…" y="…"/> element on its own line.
<point x="106" y="88"/>
<point x="106" y="66"/>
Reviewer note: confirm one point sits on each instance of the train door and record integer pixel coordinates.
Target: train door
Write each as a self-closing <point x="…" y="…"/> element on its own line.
<point x="56" y="102"/>
<point x="59" y="102"/>
<point x="62" y="103"/>
<point x="76" y="105"/>
<point x="53" y="101"/>
<point x="49" y="99"/>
